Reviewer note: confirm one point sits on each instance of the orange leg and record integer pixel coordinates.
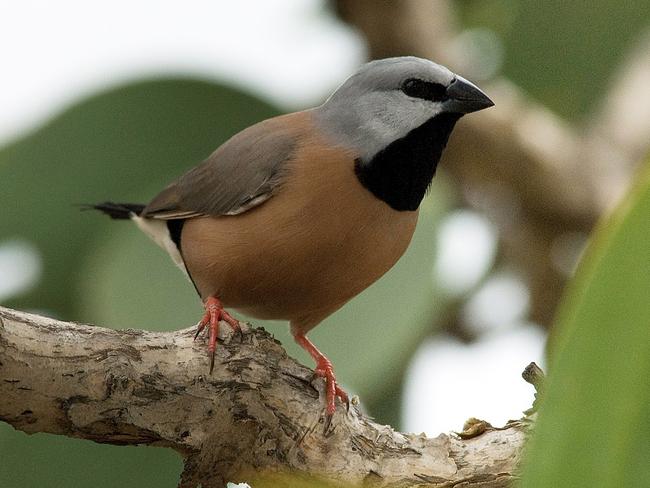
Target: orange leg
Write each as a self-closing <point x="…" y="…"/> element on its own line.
<point x="324" y="369"/>
<point x="214" y="312"/>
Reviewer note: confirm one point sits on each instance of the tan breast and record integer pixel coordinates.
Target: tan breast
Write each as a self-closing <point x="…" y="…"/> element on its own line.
<point x="319" y="241"/>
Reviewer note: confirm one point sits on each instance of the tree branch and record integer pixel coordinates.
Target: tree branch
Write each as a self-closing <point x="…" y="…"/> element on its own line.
<point x="258" y="412"/>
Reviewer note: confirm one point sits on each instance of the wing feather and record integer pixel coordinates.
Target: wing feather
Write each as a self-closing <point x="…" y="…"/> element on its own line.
<point x="241" y="174"/>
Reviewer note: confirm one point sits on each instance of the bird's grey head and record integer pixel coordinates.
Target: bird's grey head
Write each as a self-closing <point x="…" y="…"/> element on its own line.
<point x="388" y="98"/>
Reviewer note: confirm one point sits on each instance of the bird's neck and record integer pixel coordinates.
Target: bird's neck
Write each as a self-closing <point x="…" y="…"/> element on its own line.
<point x="401" y="173"/>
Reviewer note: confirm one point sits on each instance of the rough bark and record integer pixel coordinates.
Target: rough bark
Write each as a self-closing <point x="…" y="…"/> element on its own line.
<point x="258" y="412"/>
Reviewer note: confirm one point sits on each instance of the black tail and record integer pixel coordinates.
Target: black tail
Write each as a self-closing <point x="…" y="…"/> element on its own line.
<point x="117" y="210"/>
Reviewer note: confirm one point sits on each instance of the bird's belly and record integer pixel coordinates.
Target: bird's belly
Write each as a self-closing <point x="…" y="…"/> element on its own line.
<point x="299" y="256"/>
<point x="298" y="267"/>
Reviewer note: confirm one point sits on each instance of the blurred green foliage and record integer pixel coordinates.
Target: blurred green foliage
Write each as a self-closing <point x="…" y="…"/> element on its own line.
<point x="45" y="460"/>
<point x="565" y="54"/>
<point x="594" y="427"/>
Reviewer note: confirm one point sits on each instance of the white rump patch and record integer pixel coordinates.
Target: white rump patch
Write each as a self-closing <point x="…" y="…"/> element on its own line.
<point x="157" y="230"/>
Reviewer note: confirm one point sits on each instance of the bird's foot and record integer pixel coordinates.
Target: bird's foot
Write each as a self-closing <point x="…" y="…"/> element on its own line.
<point x="214" y="312"/>
<point x="324" y="370"/>
<point x="332" y="389"/>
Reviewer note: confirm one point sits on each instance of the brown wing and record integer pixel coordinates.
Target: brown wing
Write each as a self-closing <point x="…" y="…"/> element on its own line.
<point x="239" y="175"/>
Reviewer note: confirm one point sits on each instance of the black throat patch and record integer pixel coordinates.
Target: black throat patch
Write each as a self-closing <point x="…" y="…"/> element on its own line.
<point x="401" y="173"/>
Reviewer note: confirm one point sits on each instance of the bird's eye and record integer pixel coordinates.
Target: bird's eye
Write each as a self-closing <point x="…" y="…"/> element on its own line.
<point x="425" y="89"/>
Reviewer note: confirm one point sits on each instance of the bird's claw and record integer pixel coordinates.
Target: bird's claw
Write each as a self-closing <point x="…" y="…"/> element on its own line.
<point x="201" y="325"/>
<point x="214" y="312"/>
<point x="328" y="416"/>
<point x="211" y="361"/>
<point x="332" y="389"/>
<point x="327" y="423"/>
<point x="324" y="370"/>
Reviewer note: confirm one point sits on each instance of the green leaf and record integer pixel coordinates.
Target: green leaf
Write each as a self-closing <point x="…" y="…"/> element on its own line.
<point x="594" y="426"/>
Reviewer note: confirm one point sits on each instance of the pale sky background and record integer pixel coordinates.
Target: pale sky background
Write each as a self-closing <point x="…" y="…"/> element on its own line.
<point x="293" y="54"/>
<point x="56" y="52"/>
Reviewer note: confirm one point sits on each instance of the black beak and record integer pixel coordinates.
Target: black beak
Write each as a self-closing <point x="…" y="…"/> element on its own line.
<point x="465" y="97"/>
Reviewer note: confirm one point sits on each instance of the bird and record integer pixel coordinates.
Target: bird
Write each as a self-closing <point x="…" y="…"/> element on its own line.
<point x="295" y="215"/>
